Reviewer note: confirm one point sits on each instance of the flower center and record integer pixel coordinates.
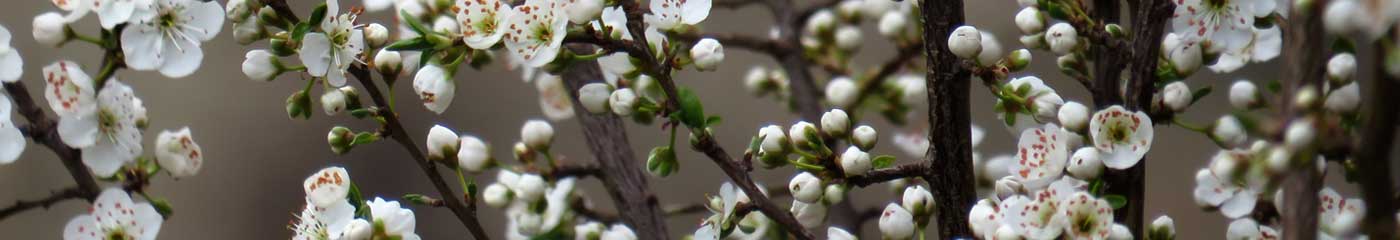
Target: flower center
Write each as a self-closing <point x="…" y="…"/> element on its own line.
<point x="1216" y="4"/>
<point x="107" y="122"/>
<point x="1084" y="223"/>
<point x="118" y="234"/>
<point x="1118" y="133"/>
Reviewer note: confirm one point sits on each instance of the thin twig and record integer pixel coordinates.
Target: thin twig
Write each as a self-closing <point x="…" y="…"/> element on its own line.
<point x="55" y="197"/>
<point x="870" y="84"/>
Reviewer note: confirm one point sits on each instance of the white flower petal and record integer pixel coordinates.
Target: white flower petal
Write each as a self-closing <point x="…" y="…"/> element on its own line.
<point x="1268" y="43"/>
<point x="12" y="142"/>
<point x="203" y="20"/>
<point x="142" y="44"/>
<point x="1240" y="205"/>
<point x="82" y="227"/>
<point x="113" y="12"/>
<point x="181" y="60"/>
<point x="11" y="66"/>
<point x="315" y="54"/>
<point x="694" y="11"/>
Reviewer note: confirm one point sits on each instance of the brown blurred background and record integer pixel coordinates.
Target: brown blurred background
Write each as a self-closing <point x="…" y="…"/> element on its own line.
<point x="250" y="186"/>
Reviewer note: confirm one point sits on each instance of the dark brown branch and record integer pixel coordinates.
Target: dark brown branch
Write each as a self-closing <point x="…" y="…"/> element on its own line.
<point x="686" y="209"/>
<point x="44" y="130"/>
<point x="949" y="114"/>
<point x="465" y="214"/>
<point x="607" y="138"/>
<point x="588" y="212"/>
<point x="55" y="197"/>
<point x="1109" y="61"/>
<point x="575" y="170"/>
<point x="1149" y="23"/>
<point x="735" y="4"/>
<point x="804" y="93"/>
<point x="908" y="170"/>
<point x="1305" y="51"/>
<point x="706" y="143"/>
<point x="871" y="84"/>
<point x="742" y="41"/>
<point x="1373" y="157"/>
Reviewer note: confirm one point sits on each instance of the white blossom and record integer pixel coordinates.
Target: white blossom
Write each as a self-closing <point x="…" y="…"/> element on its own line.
<point x="1164" y="225"/>
<point x="806" y="188"/>
<point x="330" y="53"/>
<point x="1041" y="156"/>
<point x="388" y="61"/>
<point x="530" y="187"/>
<point x="896" y="222"/>
<point x="1228" y="131"/>
<point x="49" y="29"/>
<point x="115" y="216"/>
<point x="1244" y="94"/>
<point x="1345" y="99"/>
<point x="623" y="102"/>
<point x="707" y="53"/>
<point x="1062" y="38"/>
<point x="1074" y="116"/>
<point x="1339" y="217"/>
<point x="396" y="221"/>
<point x="1176" y="96"/>
<point x="1342" y="67"/>
<point x="913" y="89"/>
<point x="594" y="97"/>
<point x="918" y="200"/>
<point x="836" y="123"/>
<point x="835" y="233"/>
<point x="177" y="153"/>
<point x="674" y="14"/>
<point x="376" y="35"/>
<point x="965" y="42"/>
<point x="12" y="141"/>
<point x="261" y="65"/>
<point x="589" y="230"/>
<point x="855" y="162"/>
<point x="1229" y="26"/>
<point x="1123" y="136"/>
<point x="810" y="215"/>
<point x="983" y="219"/>
<point x="582" y="11"/>
<point x="333" y="101"/>
<point x="358" y="229"/>
<point x="848" y="37"/>
<point x="893" y="24"/>
<point x="1184" y="52"/>
<point x="535" y="31"/>
<point x="1030" y="20"/>
<point x="1299" y="134"/>
<point x="441" y="142"/>
<point x="1248" y="229"/>
<point x="537" y="134"/>
<point x="483" y="22"/>
<point x="167" y="37"/>
<point x="1088" y="217"/>
<point x="842" y="91"/>
<point x="496" y="195"/>
<point x="555" y="101"/>
<point x="1217" y="187"/>
<point x="991" y="50"/>
<point x="327" y="187"/>
<point x="774" y="140"/>
<point x="106" y="130"/>
<point x="1085" y="163"/>
<point x="864" y="137"/>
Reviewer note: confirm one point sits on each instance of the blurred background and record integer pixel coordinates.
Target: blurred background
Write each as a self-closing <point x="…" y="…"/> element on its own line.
<point x="256" y="158"/>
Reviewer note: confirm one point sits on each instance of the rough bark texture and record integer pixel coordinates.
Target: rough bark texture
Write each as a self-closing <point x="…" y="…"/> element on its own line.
<point x="1149" y="22"/>
<point x="1108" y="64"/>
<point x="1305" y="52"/>
<point x="607" y="138"/>
<point x="950" y="146"/>
<point x="1373" y="156"/>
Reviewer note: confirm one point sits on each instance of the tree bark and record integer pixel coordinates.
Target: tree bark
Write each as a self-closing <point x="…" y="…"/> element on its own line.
<point x="1149" y="23"/>
<point x="1305" y="52"/>
<point x="624" y="179"/>
<point x="1373" y="156"/>
<point x="949" y="117"/>
<point x="1108" y="64"/>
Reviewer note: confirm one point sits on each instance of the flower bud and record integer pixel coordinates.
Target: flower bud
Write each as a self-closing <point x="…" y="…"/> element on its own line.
<point x="1030" y="20"/>
<point x="1018" y="60"/>
<point x="589" y="231"/>
<point x="1120" y="232"/>
<point x="582" y="11"/>
<point x="855" y="162"/>
<point x="496" y="195"/>
<point x="529" y="223"/>
<point x="1345" y="99"/>
<point x="261" y="65"/>
<point x="810" y="215"/>
<point x="1341" y="68"/>
<point x="876" y="8"/>
<point x="1047" y="106"/>
<point x="707" y="53"/>
<point x="537" y="134"/>
<point x="623" y="102"/>
<point x="1062" y="38"/>
<point x="473" y="154"/>
<point x="1162" y="228"/>
<point x="249" y="31"/>
<point x="333" y="102"/>
<point x="774" y="147"/>
<point x="177" y="153"/>
<point x="821" y="21"/>
<point x="530" y="187"/>
<point x="327" y="187"/>
<point x="388" y="62"/>
<point x="918" y="200"/>
<point x="1176" y="96"/>
<point x="50" y="29"/>
<point x="1300" y="134"/>
<point x="806" y="188"/>
<point x="1007" y="187"/>
<point x="835" y="193"/>
<point x="896" y="222"/>
<point x="442" y="141"/>
<point x="1306" y="97"/>
<point x="1344" y="18"/>
<point x="1244" y="95"/>
<point x="1279" y="159"/>
<point x="446" y="25"/>
<point x="1115" y="30"/>
<point x="1228" y="132"/>
<point x="893" y="24"/>
<point x="848" y="37"/>
<point x="1006" y="231"/>
<point x="662" y="161"/>
<point x="358" y="229"/>
<point x="1033" y="41"/>
<point x="756" y="80"/>
<point x="913" y="89"/>
<point x="836" y="123"/>
<point x="1074" y="116"/>
<point x="991" y="50"/>
<point x="864" y="137"/>
<point x="522" y="152"/>
<point x="835" y="233"/>
<point x="841" y="91"/>
<point x="376" y="35"/>
<point x="237" y="10"/>
<point x="341" y="139"/>
<point x="1185" y="54"/>
<point x="965" y="42"/>
<point x="435" y="87"/>
<point x="594" y="97"/>
<point x="849" y="9"/>
<point x="1086" y="163"/>
<point x="801" y="133"/>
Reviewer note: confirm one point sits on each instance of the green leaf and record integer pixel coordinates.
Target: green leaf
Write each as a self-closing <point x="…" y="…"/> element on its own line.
<point x="414" y="23"/>
<point x="1343" y="45"/>
<point x="412" y="44"/>
<point x="299" y="105"/>
<point x="358" y="200"/>
<point x="1274" y="86"/>
<point x="883" y="161"/>
<point x="692" y="112"/>
<point x="1117" y="201"/>
<point x="754" y="144"/>
<point x="713" y="120"/>
<point x="317" y="15"/>
<point x="807" y="166"/>
<point x="299" y="31"/>
<point x="1200" y="93"/>
<point x="365" y="138"/>
<point x="162" y="206"/>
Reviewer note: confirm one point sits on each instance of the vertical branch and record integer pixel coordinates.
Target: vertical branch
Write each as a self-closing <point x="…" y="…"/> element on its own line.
<point x="806" y="96"/>
<point x="396" y="131"/>
<point x="1304" y="50"/>
<point x="1373" y="156"/>
<point x="607" y="138"/>
<point x="1149" y="24"/>
<point x="1108" y="64"/>
<point x="949" y="118"/>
